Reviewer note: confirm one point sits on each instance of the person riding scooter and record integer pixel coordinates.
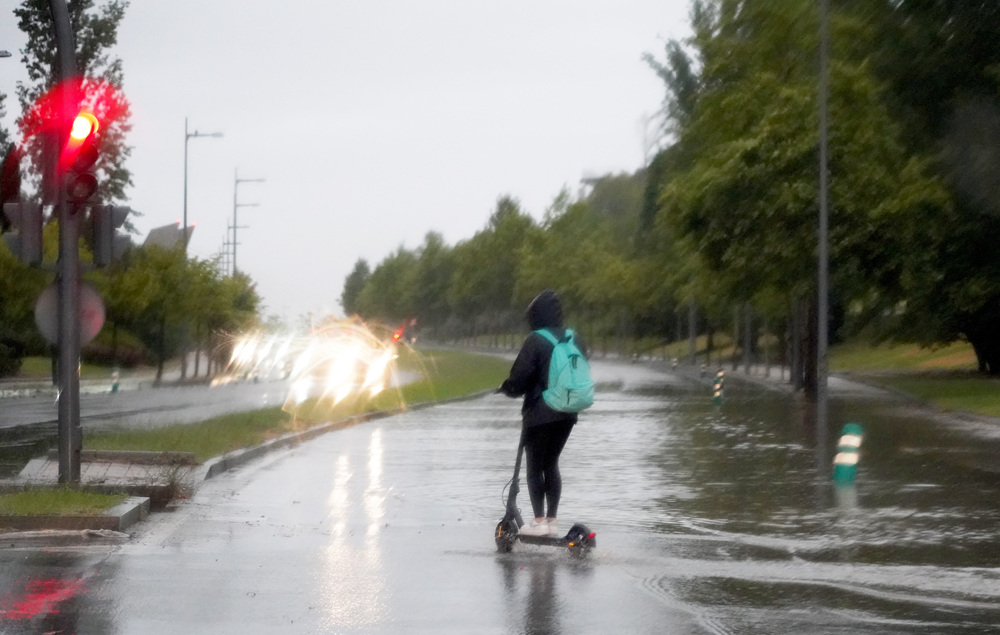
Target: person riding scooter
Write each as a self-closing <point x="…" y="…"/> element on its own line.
<point x="545" y="430"/>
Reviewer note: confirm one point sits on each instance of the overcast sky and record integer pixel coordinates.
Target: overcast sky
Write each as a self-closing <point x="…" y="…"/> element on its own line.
<point x="373" y="122"/>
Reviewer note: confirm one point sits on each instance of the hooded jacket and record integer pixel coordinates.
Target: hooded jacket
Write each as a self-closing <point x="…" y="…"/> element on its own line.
<point x="529" y="376"/>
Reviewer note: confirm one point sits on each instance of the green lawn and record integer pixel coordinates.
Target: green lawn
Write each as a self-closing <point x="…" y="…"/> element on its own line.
<point x="980" y="395"/>
<point x="41" y="368"/>
<point x="944" y="376"/>
<point x="902" y="357"/>
<point x="57" y="501"/>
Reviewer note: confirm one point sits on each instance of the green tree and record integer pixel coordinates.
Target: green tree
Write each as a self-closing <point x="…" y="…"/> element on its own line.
<point x="748" y="200"/>
<point x="5" y="139"/>
<point x="20" y="286"/>
<point x="388" y="293"/>
<point x="435" y="268"/>
<point x="943" y="66"/>
<point x="353" y="284"/>
<point x="486" y="265"/>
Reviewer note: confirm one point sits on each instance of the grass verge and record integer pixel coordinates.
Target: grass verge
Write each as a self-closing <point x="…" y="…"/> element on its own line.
<point x="944" y="376"/>
<point x="57" y="501"/>
<point x="902" y="357"/>
<point x="443" y="375"/>
<point x="41" y="368"/>
<point x="949" y="391"/>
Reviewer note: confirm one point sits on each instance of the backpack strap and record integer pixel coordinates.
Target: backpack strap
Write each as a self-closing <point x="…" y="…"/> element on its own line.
<point x="547" y="334"/>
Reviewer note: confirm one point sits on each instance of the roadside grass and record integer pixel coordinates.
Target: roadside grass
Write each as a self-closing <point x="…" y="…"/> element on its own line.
<point x="37" y="367"/>
<point x="41" y="367"/>
<point x="443" y="375"/>
<point x="944" y="376"/>
<point x="856" y="356"/>
<point x="207" y="439"/>
<point x="57" y="501"/>
<point x="957" y="391"/>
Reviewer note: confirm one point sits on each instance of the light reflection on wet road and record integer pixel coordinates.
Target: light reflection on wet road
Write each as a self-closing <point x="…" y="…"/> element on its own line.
<point x="710" y="519"/>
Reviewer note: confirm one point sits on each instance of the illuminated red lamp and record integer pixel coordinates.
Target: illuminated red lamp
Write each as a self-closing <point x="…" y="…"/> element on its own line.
<point x="84" y="125"/>
<point x="79" y="158"/>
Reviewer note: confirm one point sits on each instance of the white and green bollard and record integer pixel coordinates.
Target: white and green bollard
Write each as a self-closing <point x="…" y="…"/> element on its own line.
<point x="114" y="380"/>
<point x="845" y="463"/>
<point x="718" y="387"/>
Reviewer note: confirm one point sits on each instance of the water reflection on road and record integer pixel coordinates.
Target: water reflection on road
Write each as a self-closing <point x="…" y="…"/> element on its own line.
<point x="710" y="519"/>
<point x="754" y="537"/>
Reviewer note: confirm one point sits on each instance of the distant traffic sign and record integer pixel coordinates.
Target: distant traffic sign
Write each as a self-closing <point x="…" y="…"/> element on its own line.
<point x="91" y="313"/>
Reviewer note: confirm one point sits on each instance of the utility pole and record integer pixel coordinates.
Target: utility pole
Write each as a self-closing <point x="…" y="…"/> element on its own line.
<point x="236" y="206"/>
<point x="187" y="136"/>
<point x="70" y="438"/>
<point x="822" y="304"/>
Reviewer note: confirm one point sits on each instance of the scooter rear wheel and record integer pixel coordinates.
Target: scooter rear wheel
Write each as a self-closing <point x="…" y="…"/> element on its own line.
<point x="580" y="541"/>
<point x="505" y="535"/>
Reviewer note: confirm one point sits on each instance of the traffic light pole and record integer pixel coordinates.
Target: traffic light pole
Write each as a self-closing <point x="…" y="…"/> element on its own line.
<point x="70" y="436"/>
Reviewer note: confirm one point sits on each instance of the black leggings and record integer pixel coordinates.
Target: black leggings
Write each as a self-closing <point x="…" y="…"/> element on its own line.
<point x="542" y="446"/>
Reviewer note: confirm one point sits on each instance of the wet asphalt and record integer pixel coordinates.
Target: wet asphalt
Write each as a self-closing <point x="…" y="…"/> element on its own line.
<point x="709" y="519"/>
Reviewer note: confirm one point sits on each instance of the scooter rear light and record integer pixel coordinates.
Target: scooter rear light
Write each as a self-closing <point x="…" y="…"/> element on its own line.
<point x="592" y="535"/>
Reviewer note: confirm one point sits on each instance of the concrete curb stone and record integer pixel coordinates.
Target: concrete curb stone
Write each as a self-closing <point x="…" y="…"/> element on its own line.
<point x="117" y="519"/>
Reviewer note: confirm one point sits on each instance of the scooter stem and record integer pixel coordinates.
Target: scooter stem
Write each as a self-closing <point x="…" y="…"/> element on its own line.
<point x="512" y="511"/>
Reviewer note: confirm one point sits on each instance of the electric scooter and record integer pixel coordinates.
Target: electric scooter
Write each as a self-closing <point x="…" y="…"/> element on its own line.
<point x="579" y="540"/>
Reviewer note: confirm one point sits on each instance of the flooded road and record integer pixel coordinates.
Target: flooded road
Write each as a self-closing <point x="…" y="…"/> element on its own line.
<point x="709" y="519"/>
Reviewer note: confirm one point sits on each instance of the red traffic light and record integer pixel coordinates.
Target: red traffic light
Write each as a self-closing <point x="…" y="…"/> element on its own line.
<point x="79" y="157"/>
<point x="84" y="125"/>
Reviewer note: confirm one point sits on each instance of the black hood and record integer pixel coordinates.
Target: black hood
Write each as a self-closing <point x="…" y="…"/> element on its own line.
<point x="545" y="311"/>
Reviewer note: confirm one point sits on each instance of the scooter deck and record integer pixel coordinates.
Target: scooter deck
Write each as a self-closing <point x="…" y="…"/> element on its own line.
<point x="551" y="541"/>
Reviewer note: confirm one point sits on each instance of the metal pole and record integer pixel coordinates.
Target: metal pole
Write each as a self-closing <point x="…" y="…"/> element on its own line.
<point x="236" y="183"/>
<point x="186" y="137"/>
<point x="822" y="308"/>
<point x="236" y="205"/>
<point x="70" y="439"/>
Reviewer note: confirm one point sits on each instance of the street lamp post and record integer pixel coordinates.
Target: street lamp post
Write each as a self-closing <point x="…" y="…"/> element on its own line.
<point x="187" y="136"/>
<point x="822" y="303"/>
<point x="236" y="205"/>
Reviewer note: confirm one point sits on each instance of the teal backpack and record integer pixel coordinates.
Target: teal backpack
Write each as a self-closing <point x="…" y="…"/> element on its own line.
<point x="570" y="387"/>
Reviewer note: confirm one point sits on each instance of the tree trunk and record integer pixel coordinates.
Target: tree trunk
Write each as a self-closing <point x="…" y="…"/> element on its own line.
<point x="692" y="333"/>
<point x="747" y="338"/>
<point x="162" y="349"/>
<point x="736" y="337"/>
<point x="767" y="356"/>
<point x="709" y="345"/>
<point x="986" y="344"/>
<point x="197" y="348"/>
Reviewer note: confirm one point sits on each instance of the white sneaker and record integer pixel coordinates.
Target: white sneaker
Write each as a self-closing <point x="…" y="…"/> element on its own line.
<point x="553" y="526"/>
<point x="534" y="529"/>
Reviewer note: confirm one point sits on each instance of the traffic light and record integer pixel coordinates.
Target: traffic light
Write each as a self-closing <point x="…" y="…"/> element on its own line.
<point x="108" y="244"/>
<point x="10" y="176"/>
<point x="79" y="159"/>
<point x="24" y="231"/>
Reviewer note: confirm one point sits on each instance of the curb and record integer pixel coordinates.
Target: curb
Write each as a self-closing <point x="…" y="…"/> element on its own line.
<point x="132" y="456"/>
<point x="48" y="538"/>
<point x="117" y="519"/>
